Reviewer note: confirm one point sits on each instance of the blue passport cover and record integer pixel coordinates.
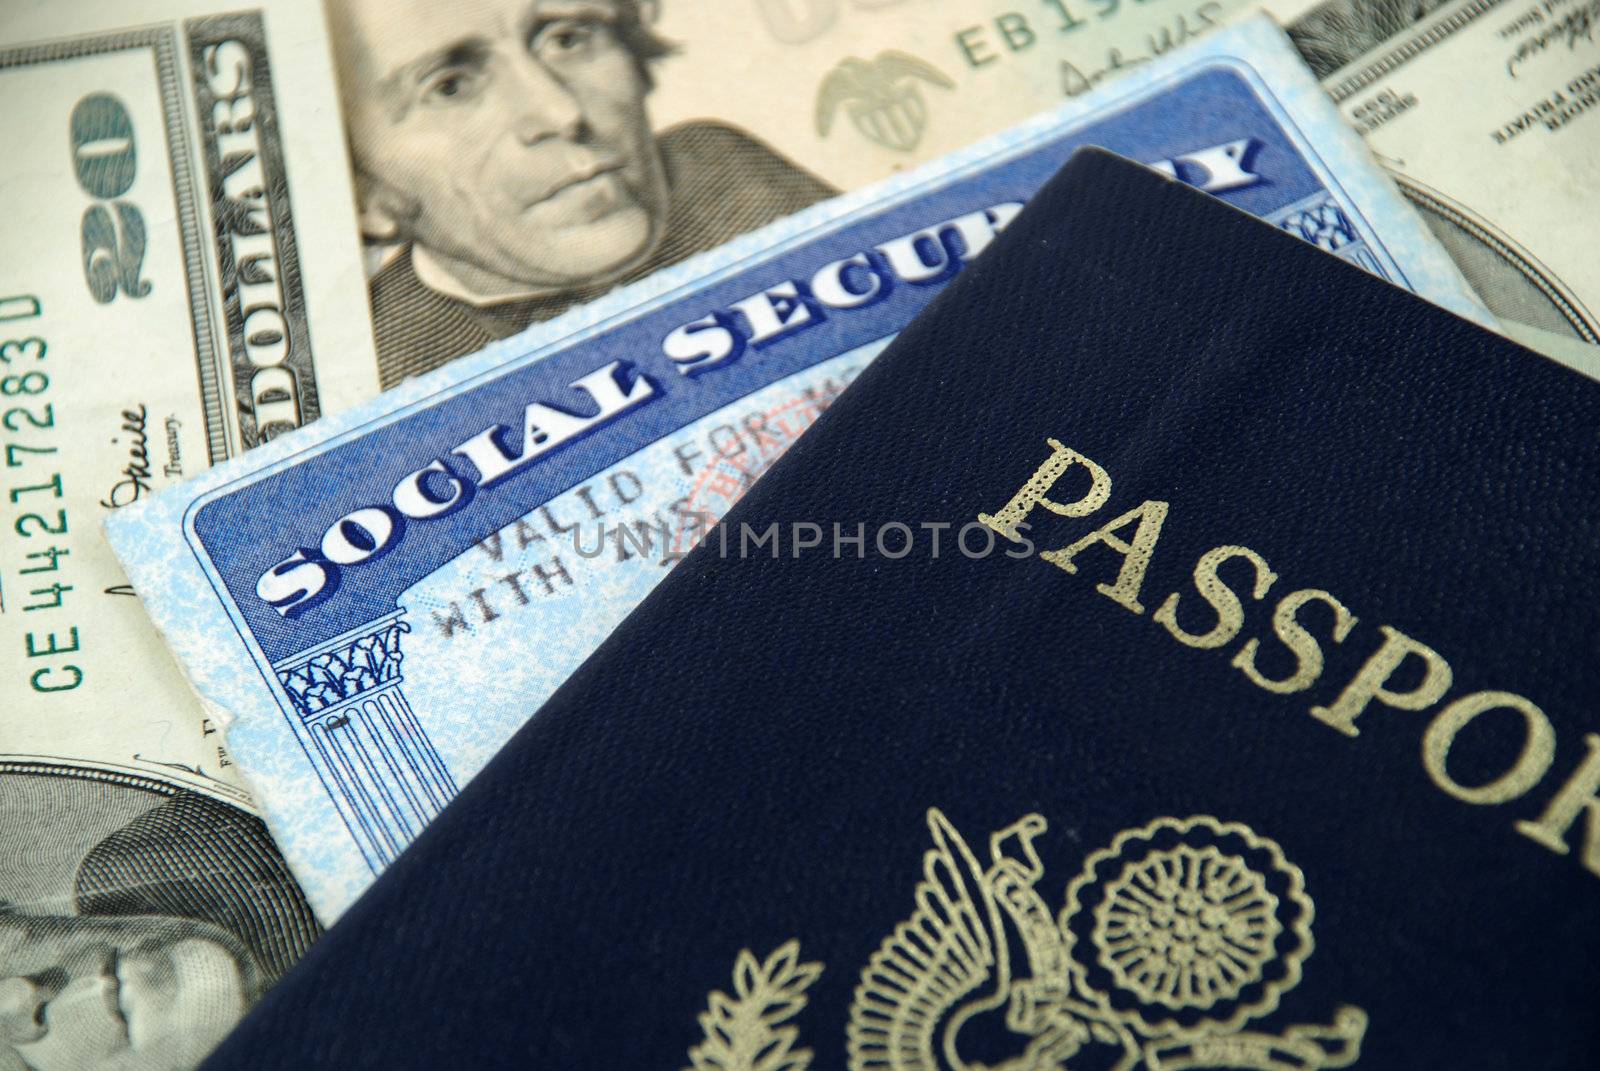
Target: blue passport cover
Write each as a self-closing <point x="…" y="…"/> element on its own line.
<point x="1244" y="717"/>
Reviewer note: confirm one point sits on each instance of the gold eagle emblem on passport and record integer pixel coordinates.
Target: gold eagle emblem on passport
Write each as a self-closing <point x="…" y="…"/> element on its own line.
<point x="1172" y="940"/>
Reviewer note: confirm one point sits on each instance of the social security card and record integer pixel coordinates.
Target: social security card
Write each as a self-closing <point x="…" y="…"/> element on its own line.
<point x="380" y="600"/>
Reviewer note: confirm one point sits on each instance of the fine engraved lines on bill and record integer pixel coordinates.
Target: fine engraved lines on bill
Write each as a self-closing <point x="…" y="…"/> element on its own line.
<point x="383" y="598"/>
<point x="1488" y="114"/>
<point x="154" y="318"/>
<point x="179" y="235"/>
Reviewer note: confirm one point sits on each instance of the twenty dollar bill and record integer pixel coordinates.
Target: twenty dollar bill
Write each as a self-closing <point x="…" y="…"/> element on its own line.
<point x="180" y="281"/>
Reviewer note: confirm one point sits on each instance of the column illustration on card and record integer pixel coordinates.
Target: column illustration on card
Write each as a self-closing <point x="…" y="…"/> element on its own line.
<point x="363" y="737"/>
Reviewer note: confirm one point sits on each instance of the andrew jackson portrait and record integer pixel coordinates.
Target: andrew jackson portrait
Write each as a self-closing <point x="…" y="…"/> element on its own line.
<point x="503" y="152"/>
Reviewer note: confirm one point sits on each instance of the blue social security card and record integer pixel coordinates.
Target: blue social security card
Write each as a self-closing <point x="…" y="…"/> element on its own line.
<point x="379" y="601"/>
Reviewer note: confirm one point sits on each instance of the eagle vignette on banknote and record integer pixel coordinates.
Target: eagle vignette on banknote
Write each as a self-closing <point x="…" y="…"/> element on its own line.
<point x="515" y="158"/>
<point x="383" y="599"/>
<point x="180" y="281"/>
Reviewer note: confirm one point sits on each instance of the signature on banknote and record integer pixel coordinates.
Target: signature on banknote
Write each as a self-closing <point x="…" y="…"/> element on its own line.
<point x="136" y="473"/>
<point x="1575" y="27"/>
<point x="1075" y="81"/>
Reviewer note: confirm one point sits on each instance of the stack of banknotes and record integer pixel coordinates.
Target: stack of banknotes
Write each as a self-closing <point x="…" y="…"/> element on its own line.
<point x="365" y="363"/>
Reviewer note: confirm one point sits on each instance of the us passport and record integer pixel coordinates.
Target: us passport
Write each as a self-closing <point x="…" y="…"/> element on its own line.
<point x="1178" y="654"/>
